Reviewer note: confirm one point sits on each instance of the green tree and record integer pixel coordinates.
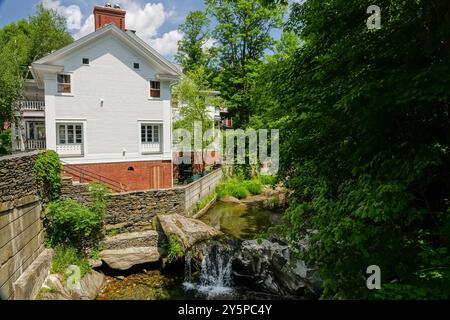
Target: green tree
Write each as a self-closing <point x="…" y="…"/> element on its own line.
<point x="194" y="96"/>
<point x="191" y="49"/>
<point x="22" y="43"/>
<point x="365" y="140"/>
<point x="242" y="35"/>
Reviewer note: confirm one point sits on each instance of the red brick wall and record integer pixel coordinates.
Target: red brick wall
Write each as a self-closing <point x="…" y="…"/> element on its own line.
<point x="106" y="15"/>
<point x="145" y="176"/>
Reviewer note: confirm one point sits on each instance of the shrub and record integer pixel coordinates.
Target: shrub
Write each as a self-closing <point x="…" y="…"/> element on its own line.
<point x="98" y="196"/>
<point x="221" y="190"/>
<point x="268" y="180"/>
<point x="253" y="186"/>
<point x="238" y="191"/>
<point x="47" y="172"/>
<point x="232" y="187"/>
<point x="5" y="142"/>
<point x="175" y="249"/>
<point x="66" y="256"/>
<point x="68" y="222"/>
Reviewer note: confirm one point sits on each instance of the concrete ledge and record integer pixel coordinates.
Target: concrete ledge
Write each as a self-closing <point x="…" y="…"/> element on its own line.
<point x="29" y="283"/>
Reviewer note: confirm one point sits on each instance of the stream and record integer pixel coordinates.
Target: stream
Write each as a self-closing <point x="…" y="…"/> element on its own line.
<point x="214" y="278"/>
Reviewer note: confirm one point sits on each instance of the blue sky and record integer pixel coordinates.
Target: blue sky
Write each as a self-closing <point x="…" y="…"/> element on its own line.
<point x="155" y="21"/>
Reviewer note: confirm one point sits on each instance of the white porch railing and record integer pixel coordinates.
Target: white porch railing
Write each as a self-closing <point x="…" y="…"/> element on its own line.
<point x="69" y="150"/>
<point x="33" y="105"/>
<point x="35" y="144"/>
<point x="151" y="147"/>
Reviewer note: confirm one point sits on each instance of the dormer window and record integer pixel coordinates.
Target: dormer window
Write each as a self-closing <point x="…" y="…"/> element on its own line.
<point x="155" y="89"/>
<point x="85" y="61"/>
<point x="64" y="84"/>
<point x="136" y="65"/>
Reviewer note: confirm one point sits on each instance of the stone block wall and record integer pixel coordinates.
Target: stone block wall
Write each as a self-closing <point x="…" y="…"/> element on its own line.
<point x="134" y="211"/>
<point x="21" y="229"/>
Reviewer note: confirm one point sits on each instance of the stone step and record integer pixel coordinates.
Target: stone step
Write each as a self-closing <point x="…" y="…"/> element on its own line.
<point x="123" y="259"/>
<point x="149" y="238"/>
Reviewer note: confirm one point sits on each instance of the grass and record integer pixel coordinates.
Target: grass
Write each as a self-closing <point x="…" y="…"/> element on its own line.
<point x="175" y="249"/>
<point x="66" y="256"/>
<point x="203" y="202"/>
<point x="254" y="186"/>
<point x="232" y="187"/>
<point x="268" y="180"/>
<point x="240" y="188"/>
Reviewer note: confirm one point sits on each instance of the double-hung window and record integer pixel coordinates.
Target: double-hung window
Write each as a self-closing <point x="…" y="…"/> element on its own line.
<point x="64" y="83"/>
<point x="70" y="134"/>
<point x="155" y="89"/>
<point x="150" y="133"/>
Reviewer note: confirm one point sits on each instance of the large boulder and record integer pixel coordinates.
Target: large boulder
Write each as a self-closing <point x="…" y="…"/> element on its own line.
<point x="188" y="231"/>
<point x="149" y="238"/>
<point x="55" y="287"/>
<point x="123" y="259"/>
<point x="268" y="265"/>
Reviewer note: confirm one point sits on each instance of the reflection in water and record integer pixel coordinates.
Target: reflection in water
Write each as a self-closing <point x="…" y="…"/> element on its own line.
<point x="239" y="220"/>
<point x="150" y="285"/>
<point x="235" y="220"/>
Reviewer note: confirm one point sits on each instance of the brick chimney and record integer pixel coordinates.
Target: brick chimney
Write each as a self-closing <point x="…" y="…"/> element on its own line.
<point x="107" y="15"/>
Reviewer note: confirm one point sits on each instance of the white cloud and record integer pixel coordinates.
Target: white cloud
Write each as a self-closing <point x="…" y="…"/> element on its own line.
<point x="88" y="27"/>
<point x="72" y="13"/>
<point x="146" y="19"/>
<point x="209" y="44"/>
<point x="167" y="45"/>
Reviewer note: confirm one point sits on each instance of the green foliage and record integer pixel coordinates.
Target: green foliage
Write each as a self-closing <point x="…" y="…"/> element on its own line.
<point x="253" y="186"/>
<point x="232" y="187"/>
<point x="175" y="249"/>
<point x="68" y="222"/>
<point x="5" y="142"/>
<point x="192" y="52"/>
<point x="65" y="256"/>
<point x="242" y="35"/>
<point x="365" y="143"/>
<point x="22" y="43"/>
<point x="268" y="180"/>
<point x="191" y="94"/>
<point x="203" y="202"/>
<point x="47" y="172"/>
<point x="98" y="194"/>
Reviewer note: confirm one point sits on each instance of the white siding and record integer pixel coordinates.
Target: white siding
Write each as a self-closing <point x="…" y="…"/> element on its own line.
<point x="111" y="128"/>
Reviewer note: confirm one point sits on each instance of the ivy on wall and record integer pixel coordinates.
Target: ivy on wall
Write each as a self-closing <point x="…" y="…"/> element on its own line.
<point x="47" y="171"/>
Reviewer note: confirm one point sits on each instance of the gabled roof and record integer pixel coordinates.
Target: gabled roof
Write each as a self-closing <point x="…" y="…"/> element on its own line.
<point x="168" y="69"/>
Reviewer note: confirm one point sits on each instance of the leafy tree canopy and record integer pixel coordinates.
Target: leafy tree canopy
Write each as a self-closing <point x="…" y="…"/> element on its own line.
<point x="365" y="143"/>
<point x="22" y="43"/>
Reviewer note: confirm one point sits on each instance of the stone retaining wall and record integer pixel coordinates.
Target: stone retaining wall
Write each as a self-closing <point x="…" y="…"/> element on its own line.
<point x="134" y="211"/>
<point x="21" y="229"/>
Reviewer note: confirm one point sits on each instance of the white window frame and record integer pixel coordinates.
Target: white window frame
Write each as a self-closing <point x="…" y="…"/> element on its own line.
<point x="150" y="89"/>
<point x="70" y="83"/>
<point x="66" y="133"/>
<point x="160" y="142"/>
<point x="152" y="126"/>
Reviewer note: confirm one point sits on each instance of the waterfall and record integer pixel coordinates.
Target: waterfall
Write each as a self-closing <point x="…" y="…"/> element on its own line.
<point x="215" y="275"/>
